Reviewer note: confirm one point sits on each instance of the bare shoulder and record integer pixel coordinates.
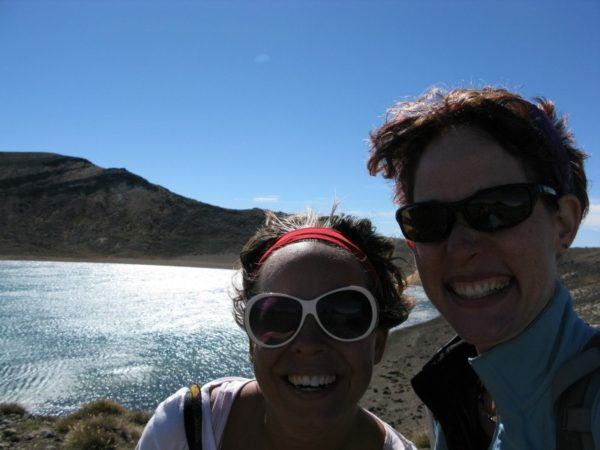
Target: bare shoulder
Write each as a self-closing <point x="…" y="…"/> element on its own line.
<point x="249" y="401"/>
<point x="245" y="419"/>
<point x="373" y="433"/>
<point x="370" y="433"/>
<point x="230" y="385"/>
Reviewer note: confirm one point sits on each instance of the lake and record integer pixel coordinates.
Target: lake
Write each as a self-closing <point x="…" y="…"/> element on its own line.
<point x="74" y="332"/>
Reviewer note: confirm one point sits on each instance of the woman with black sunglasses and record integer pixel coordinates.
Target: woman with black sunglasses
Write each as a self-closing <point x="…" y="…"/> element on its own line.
<point x="317" y="298"/>
<point x="492" y="190"/>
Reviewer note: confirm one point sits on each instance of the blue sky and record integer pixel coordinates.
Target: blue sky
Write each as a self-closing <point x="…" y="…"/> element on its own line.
<point x="269" y="104"/>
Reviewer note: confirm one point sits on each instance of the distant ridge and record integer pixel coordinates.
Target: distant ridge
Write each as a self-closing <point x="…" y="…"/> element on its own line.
<point x="55" y="205"/>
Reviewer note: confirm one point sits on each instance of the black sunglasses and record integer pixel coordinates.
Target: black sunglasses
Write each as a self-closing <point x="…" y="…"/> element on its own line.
<point x="489" y="210"/>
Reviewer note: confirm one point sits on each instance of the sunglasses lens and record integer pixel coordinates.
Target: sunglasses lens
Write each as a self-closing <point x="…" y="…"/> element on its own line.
<point x="274" y="319"/>
<point x="425" y="222"/>
<point x="495" y="209"/>
<point x="489" y="210"/>
<point x="346" y="314"/>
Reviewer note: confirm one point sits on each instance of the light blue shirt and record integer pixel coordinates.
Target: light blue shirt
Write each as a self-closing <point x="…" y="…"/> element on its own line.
<point x="518" y="374"/>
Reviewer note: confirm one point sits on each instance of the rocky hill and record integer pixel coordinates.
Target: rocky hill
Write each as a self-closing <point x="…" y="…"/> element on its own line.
<point x="53" y="205"/>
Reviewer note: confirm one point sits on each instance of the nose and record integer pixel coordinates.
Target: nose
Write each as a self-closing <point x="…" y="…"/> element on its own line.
<point x="311" y="339"/>
<point x="463" y="241"/>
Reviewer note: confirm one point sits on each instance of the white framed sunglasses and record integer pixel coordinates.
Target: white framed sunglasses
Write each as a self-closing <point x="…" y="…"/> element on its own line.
<point x="346" y="314"/>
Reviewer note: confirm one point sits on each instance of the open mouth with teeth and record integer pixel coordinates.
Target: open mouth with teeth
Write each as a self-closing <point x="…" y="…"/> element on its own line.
<point x="311" y="382"/>
<point x="480" y="289"/>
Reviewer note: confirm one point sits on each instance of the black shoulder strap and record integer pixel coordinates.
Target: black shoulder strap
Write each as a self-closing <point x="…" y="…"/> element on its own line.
<point x="574" y="389"/>
<point x="192" y="416"/>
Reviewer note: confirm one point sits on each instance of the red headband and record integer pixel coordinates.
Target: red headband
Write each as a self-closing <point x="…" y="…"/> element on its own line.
<point x="326" y="235"/>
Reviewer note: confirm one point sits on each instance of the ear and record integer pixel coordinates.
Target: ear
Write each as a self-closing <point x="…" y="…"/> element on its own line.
<point x="411" y="245"/>
<point x="568" y="219"/>
<point x="380" y="341"/>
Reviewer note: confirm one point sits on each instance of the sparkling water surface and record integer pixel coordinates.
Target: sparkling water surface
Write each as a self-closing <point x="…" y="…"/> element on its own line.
<point x="74" y="332"/>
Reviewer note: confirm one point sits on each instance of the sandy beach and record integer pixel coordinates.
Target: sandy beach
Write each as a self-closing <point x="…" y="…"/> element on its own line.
<point x="390" y="394"/>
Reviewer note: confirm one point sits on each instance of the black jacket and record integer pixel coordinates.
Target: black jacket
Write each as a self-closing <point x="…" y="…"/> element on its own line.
<point x="450" y="388"/>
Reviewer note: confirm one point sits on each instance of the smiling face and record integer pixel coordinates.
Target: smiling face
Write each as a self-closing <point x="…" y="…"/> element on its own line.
<point x="315" y="377"/>
<point x="488" y="286"/>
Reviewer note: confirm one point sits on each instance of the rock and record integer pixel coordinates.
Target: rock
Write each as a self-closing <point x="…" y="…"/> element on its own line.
<point x="8" y="432"/>
<point x="47" y="433"/>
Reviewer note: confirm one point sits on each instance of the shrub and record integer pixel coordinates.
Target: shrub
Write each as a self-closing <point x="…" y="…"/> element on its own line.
<point x="101" y="432"/>
<point x="102" y="407"/>
<point x="12" y="408"/>
<point x="85" y="437"/>
<point x="420" y="440"/>
<point x="139" y="417"/>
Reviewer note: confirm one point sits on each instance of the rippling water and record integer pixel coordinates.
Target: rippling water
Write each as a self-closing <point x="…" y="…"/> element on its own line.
<point x="74" y="332"/>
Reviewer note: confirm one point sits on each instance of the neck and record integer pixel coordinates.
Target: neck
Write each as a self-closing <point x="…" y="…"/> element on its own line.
<point x="311" y="432"/>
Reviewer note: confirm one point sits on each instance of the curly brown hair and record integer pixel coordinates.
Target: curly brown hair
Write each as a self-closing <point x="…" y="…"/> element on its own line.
<point x="393" y="305"/>
<point x="531" y="132"/>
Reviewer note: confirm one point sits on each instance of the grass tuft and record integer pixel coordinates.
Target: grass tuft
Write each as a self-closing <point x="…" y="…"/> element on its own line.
<point x="421" y="441"/>
<point x="83" y="436"/>
<point x="102" y="407"/>
<point x="100" y="425"/>
<point x="102" y="432"/>
<point x="139" y="417"/>
<point x="12" y="408"/>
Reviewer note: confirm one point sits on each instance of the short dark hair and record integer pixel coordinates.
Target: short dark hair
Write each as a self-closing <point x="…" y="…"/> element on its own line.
<point x="531" y="132"/>
<point x="388" y="289"/>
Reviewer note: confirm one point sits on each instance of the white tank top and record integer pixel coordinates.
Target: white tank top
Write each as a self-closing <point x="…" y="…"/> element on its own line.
<point x="166" y="428"/>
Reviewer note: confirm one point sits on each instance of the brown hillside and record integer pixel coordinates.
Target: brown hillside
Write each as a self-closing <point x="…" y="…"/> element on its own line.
<point x="53" y="205"/>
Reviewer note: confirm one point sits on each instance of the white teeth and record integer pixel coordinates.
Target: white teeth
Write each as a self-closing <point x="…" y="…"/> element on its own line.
<point x="479" y="289"/>
<point x="311" y="380"/>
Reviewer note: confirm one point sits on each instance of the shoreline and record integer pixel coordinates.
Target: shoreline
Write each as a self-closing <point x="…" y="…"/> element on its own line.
<point x="221" y="261"/>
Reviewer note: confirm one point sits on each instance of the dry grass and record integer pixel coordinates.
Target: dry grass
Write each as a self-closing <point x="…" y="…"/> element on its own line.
<point x="421" y="440"/>
<point x="102" y="407"/>
<point x="100" y="425"/>
<point x="103" y="424"/>
<point x="102" y="432"/>
<point x="12" y="408"/>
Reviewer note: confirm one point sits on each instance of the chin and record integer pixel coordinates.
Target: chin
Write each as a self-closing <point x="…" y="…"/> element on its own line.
<point x="483" y="335"/>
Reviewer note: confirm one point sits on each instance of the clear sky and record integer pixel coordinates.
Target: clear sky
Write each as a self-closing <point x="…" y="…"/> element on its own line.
<point x="269" y="104"/>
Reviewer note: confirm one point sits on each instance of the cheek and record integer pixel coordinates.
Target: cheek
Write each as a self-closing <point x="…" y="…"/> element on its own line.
<point x="536" y="272"/>
<point x="429" y="260"/>
<point x="533" y="255"/>
<point x="361" y="355"/>
<point x="262" y="361"/>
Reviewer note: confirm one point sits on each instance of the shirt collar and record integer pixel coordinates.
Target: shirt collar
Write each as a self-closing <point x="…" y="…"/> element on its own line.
<point x="517" y="372"/>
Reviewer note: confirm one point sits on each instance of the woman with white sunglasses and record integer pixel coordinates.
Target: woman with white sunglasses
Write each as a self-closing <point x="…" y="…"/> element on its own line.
<point x="317" y="298"/>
